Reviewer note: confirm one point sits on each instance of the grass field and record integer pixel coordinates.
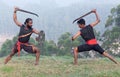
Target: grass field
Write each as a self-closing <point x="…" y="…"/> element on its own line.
<point x="58" y="67"/>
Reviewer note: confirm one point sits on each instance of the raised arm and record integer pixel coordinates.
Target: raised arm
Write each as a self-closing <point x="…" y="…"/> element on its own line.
<point x="15" y="17"/>
<point x="97" y="18"/>
<point x="76" y="35"/>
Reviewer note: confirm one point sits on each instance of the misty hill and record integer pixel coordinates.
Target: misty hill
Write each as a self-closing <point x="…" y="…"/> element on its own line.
<point x="54" y="20"/>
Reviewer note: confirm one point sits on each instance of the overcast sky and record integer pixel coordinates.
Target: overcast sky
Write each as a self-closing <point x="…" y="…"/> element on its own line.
<point x="59" y="2"/>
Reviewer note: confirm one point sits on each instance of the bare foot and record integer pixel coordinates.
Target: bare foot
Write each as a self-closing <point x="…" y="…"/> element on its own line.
<point x="36" y="63"/>
<point x="75" y="63"/>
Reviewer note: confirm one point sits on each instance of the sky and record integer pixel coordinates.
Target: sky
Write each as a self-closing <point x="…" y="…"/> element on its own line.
<point x="59" y="2"/>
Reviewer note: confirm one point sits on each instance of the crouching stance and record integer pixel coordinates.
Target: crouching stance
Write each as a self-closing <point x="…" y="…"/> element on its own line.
<point x="87" y="34"/>
<point x="26" y="31"/>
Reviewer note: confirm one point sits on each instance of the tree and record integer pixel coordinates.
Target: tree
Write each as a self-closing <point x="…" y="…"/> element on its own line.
<point x="109" y="21"/>
<point x="8" y="45"/>
<point x="6" y="48"/>
<point x="111" y="35"/>
<point x="50" y="48"/>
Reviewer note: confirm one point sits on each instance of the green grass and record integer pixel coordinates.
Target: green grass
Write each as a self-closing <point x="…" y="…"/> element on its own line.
<point x="58" y="67"/>
<point x="7" y="69"/>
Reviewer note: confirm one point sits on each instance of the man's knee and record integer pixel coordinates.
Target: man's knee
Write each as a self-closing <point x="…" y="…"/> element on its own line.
<point x="12" y="54"/>
<point x="76" y="49"/>
<point x="105" y="54"/>
<point x="36" y="50"/>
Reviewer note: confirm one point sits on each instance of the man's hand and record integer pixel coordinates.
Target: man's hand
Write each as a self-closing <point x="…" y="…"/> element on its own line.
<point x="94" y="10"/>
<point x="76" y="35"/>
<point x="16" y="9"/>
<point x="37" y="38"/>
<point x="72" y="39"/>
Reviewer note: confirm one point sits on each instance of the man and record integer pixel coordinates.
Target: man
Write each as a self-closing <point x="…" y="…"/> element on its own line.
<point x="23" y="39"/>
<point x="87" y="34"/>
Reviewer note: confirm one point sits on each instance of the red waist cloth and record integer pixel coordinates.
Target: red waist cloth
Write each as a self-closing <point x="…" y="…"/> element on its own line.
<point x="92" y="42"/>
<point x="19" y="46"/>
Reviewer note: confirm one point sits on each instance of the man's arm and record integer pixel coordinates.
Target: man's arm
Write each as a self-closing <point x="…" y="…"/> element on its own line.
<point x="97" y="18"/>
<point x="15" y="17"/>
<point x="76" y="35"/>
<point x="36" y="31"/>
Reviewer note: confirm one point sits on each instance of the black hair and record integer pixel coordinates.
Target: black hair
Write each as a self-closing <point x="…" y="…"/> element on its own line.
<point x="27" y="20"/>
<point x="81" y="21"/>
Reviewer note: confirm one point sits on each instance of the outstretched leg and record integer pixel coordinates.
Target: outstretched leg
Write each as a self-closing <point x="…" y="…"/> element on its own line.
<point x="10" y="56"/>
<point x="110" y="57"/>
<point x="75" y="56"/>
<point x="101" y="51"/>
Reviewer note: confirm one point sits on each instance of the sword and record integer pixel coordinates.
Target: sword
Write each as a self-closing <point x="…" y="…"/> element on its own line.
<point x="27" y="12"/>
<point x="82" y="16"/>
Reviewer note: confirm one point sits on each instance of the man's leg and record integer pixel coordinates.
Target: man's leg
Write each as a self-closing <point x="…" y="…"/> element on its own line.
<point x="37" y="52"/>
<point x="81" y="48"/>
<point x="75" y="56"/>
<point x="110" y="57"/>
<point x="10" y="56"/>
<point x="30" y="48"/>
<point x="99" y="49"/>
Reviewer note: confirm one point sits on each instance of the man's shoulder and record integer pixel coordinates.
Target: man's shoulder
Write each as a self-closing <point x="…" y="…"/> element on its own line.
<point x="88" y="25"/>
<point x="22" y="25"/>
